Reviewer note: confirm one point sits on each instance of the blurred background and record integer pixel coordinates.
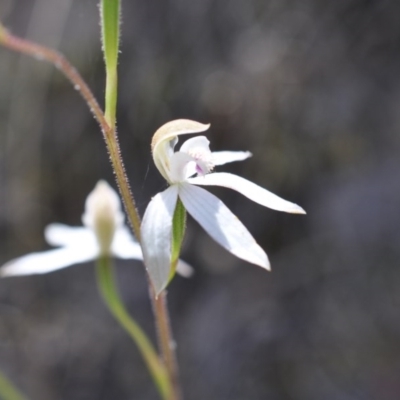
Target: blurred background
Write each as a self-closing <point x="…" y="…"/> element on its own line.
<point x="312" y="89"/>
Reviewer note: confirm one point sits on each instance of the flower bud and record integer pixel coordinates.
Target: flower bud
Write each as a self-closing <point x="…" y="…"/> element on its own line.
<point x="103" y="215"/>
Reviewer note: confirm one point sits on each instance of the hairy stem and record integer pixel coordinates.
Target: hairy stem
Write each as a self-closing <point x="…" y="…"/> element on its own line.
<point x="110" y="136"/>
<point x="60" y="62"/>
<point x="166" y="342"/>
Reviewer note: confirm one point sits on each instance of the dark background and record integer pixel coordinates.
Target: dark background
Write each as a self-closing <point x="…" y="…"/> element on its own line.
<point x="312" y="89"/>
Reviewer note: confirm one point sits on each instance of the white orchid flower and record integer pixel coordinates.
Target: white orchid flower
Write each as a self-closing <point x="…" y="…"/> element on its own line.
<point x="179" y="169"/>
<point x="103" y="234"/>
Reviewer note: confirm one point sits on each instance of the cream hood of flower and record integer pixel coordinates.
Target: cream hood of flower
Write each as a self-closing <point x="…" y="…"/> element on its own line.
<point x="103" y="234"/>
<point x="193" y="165"/>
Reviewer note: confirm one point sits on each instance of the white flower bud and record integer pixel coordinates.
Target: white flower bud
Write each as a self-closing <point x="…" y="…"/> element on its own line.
<point x="103" y="215"/>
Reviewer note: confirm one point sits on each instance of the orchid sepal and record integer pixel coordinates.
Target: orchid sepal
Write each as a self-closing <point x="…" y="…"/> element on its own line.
<point x="156" y="230"/>
<point x="249" y="189"/>
<point x="222" y="225"/>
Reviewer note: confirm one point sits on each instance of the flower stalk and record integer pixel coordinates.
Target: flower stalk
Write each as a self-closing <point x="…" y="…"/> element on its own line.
<point x="7" y="389"/>
<point x="110" y="294"/>
<point x="166" y="342"/>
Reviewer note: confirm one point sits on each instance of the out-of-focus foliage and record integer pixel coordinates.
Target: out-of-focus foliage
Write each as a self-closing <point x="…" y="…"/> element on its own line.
<point x="312" y="89"/>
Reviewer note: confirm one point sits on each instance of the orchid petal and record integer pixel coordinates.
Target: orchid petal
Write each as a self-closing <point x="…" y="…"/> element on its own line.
<point x="224" y="157"/>
<point x="197" y="142"/>
<point x="125" y="245"/>
<point x="248" y="189"/>
<point x="63" y="235"/>
<point x="221" y="224"/>
<point x="156" y="232"/>
<point x="48" y="261"/>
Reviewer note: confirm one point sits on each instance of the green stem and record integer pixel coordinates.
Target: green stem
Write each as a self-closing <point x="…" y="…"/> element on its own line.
<point x="109" y="292"/>
<point x="111" y="98"/>
<point x="7" y="389"/>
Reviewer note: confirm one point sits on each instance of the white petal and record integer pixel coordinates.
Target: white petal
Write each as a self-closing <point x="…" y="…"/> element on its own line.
<point x="156" y="232"/>
<point x="248" y="189"/>
<point x="198" y="142"/>
<point x="224" y="157"/>
<point x="64" y="235"/>
<point x="125" y="245"/>
<point x="48" y="261"/>
<point x="103" y="215"/>
<point x="102" y="203"/>
<point x="223" y="226"/>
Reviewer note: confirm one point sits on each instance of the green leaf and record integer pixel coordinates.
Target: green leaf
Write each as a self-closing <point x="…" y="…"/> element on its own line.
<point x="110" y="20"/>
<point x="110" y="23"/>
<point x="178" y="232"/>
